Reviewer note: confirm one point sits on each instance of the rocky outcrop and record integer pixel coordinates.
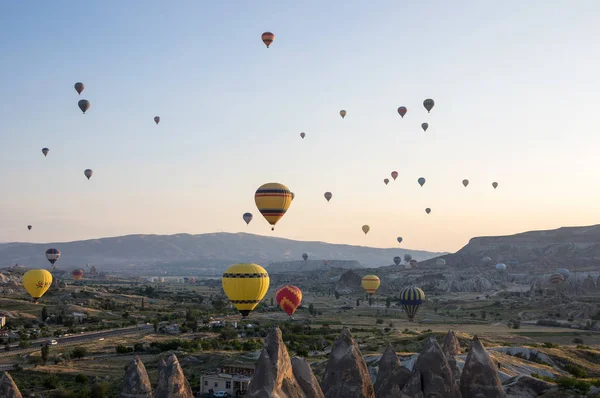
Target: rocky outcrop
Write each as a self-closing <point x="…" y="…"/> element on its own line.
<point x="273" y="374"/>
<point x="480" y="374"/>
<point x="306" y="378"/>
<point x="523" y="386"/>
<point x="391" y="377"/>
<point x="346" y="374"/>
<point x="451" y="344"/>
<point x="432" y="375"/>
<point x="350" y="282"/>
<point x="136" y="383"/>
<point x="8" y="388"/>
<point x="171" y="381"/>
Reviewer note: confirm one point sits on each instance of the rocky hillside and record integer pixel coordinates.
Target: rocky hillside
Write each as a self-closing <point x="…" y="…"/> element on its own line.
<point x="183" y="252"/>
<point x="310" y="265"/>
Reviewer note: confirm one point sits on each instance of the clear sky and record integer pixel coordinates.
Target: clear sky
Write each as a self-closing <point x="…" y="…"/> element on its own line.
<point x="515" y="83"/>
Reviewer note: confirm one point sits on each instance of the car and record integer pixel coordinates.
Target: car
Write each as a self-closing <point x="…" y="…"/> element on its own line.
<point x="101" y="339"/>
<point x="221" y="394"/>
<point x="52" y="342"/>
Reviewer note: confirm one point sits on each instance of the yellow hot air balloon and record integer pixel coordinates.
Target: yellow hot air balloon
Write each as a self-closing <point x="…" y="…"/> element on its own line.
<point x="37" y="282"/>
<point x="366" y="229"/>
<point x="370" y="283"/>
<point x="245" y="285"/>
<point x="273" y="200"/>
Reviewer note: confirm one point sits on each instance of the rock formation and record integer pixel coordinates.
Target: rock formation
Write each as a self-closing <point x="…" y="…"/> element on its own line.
<point x="524" y="386"/>
<point x="273" y="374"/>
<point x="480" y="374"/>
<point x="451" y="344"/>
<point x="306" y="378"/>
<point x="8" y="388"/>
<point x="171" y="381"/>
<point x="350" y="282"/>
<point x="346" y="374"/>
<point x="432" y="376"/>
<point x="392" y="376"/>
<point x="136" y="383"/>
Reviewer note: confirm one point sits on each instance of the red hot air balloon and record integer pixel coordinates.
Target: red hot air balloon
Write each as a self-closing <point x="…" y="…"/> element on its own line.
<point x="268" y="38"/>
<point x="289" y="298"/>
<point x="394" y="175"/>
<point x="77" y="274"/>
<point x="402" y="111"/>
<point x="156" y="119"/>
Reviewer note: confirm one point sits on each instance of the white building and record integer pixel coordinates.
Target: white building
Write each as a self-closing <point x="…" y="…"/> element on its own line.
<point x="231" y="378"/>
<point x="2" y="321"/>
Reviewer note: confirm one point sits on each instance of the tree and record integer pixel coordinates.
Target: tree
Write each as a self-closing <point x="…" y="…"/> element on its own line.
<point x="388" y="302"/>
<point x="44" y="314"/>
<point x="311" y="309"/>
<point x="79" y="352"/>
<point x="45" y="352"/>
<point x="99" y="390"/>
<point x="272" y="303"/>
<point x="155" y="323"/>
<point x="219" y="304"/>
<point x="337" y="294"/>
<point x="483" y="315"/>
<point x="357" y="302"/>
<point x="371" y="301"/>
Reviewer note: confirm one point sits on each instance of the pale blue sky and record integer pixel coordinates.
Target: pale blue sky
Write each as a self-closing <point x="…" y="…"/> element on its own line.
<point x="515" y="83"/>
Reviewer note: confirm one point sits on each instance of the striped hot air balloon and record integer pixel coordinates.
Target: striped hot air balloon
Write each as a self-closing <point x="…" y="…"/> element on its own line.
<point x="268" y="38"/>
<point x="411" y="299"/>
<point x="370" y="283"/>
<point x="556" y="279"/>
<point x="289" y="298"/>
<point x="77" y="274"/>
<point x="273" y="200"/>
<point x="245" y="286"/>
<point x="52" y="255"/>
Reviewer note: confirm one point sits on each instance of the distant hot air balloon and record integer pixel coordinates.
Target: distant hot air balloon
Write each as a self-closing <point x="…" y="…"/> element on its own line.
<point x="428" y="104"/>
<point x="394" y="175"/>
<point x="273" y="200"/>
<point x="413" y="262"/>
<point x="88" y="173"/>
<point x="29" y="227"/>
<point x="366" y="229"/>
<point x="302" y="135"/>
<point x="370" y="283"/>
<point x="79" y="87"/>
<point x="245" y="286"/>
<point x="397" y="260"/>
<point x="399" y="239"/>
<point x="556" y="279"/>
<point x="192" y="280"/>
<point x="293" y="195"/>
<point x="407" y="258"/>
<point x="37" y="282"/>
<point x="45" y="151"/>
<point x="305" y="256"/>
<point x="343" y="113"/>
<point x="495" y="184"/>
<point x="465" y="183"/>
<point x="501" y="267"/>
<point x="411" y="299"/>
<point x="402" y="111"/>
<point x="156" y="119"/>
<point x="77" y="274"/>
<point x="84" y="105"/>
<point x="328" y="196"/>
<point x="247" y="217"/>
<point x="486" y="260"/>
<point x="386" y="181"/>
<point x="425" y="126"/>
<point x="440" y="261"/>
<point x="289" y="298"/>
<point x="564" y="272"/>
<point x="52" y="255"/>
<point x="421" y="181"/>
<point x="268" y="38"/>
<point x="428" y="210"/>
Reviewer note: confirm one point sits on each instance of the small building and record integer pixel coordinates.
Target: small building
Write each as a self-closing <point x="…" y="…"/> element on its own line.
<point x="2" y="321"/>
<point x="230" y="378"/>
<point x="79" y="317"/>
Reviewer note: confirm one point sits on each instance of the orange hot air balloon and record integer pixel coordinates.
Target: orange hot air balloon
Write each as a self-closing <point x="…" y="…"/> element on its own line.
<point x="77" y="274"/>
<point x="289" y="298"/>
<point x="394" y="175"/>
<point x="268" y="38"/>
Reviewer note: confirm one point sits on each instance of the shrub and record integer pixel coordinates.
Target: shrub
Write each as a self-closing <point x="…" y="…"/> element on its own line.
<point x="81" y="378"/>
<point x="577" y="371"/>
<point x="379" y="321"/>
<point x="569" y="383"/>
<point x="50" y="382"/>
<point x="578" y="340"/>
<point x="99" y="390"/>
<point x="79" y="352"/>
<point x="548" y="344"/>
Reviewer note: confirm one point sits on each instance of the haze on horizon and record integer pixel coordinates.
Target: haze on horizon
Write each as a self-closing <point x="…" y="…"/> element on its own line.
<point x="514" y="83"/>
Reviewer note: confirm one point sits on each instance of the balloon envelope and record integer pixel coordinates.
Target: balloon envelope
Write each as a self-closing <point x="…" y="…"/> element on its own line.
<point x="289" y="298"/>
<point x="428" y="210"/>
<point x="52" y="255"/>
<point x="440" y="261"/>
<point x="386" y="181"/>
<point x="564" y="272"/>
<point x="77" y="274"/>
<point x="501" y="267"/>
<point x="486" y="260"/>
<point x="399" y="239"/>
<point x="305" y="256"/>
<point x="428" y="104"/>
<point x="328" y="196"/>
<point x="88" y="173"/>
<point x="465" y="183"/>
<point x="421" y="181"/>
<point x="425" y="126"/>
<point x="45" y="151"/>
<point x="394" y="175"/>
<point x="84" y="105"/>
<point x="343" y="113"/>
<point x="370" y="283"/>
<point x="411" y="299"/>
<point x="29" y="227"/>
<point x="302" y="135"/>
<point x="273" y="200"/>
<point x="397" y="260"/>
<point x="402" y="111"/>
<point x="79" y="87"/>
<point x="268" y="38"/>
<point x="366" y="229"/>
<point x="37" y="282"/>
<point x="407" y="257"/>
<point x="156" y="119"/>
<point x="247" y="217"/>
<point x="245" y="285"/>
<point x="556" y="279"/>
<point x="495" y="184"/>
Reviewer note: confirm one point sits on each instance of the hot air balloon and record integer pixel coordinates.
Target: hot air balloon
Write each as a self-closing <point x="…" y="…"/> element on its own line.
<point x="245" y="285"/>
<point x="564" y="272"/>
<point x="366" y="229"/>
<point x="156" y="119"/>
<point x="413" y="263"/>
<point x="37" y="282"/>
<point x="370" y="283"/>
<point x="302" y="135"/>
<point x="273" y="200"/>
<point x="495" y="184"/>
<point x="397" y="260"/>
<point x="305" y="256"/>
<point x="88" y="173"/>
<point x="465" y="183"/>
<point x="425" y="126"/>
<point x="77" y="274"/>
<point x="421" y="181"/>
<point x="192" y="280"/>
<point x="293" y="195"/>
<point x="84" y="105"/>
<point x="501" y="267"/>
<point x="428" y="104"/>
<point x="486" y="260"/>
<point x="268" y="38"/>
<point x="52" y="255"/>
<point x="289" y="298"/>
<point x="247" y="217"/>
<point x="29" y="227"/>
<point x="411" y="299"/>
<point x="79" y="87"/>
<point x="45" y="151"/>
<point x="328" y="196"/>
<point x="399" y="239"/>
<point x="556" y="279"/>
<point x="407" y="258"/>
<point x="394" y="175"/>
<point x="402" y="111"/>
<point x="386" y="181"/>
<point x="343" y="113"/>
<point x="428" y="210"/>
<point x="440" y="261"/>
